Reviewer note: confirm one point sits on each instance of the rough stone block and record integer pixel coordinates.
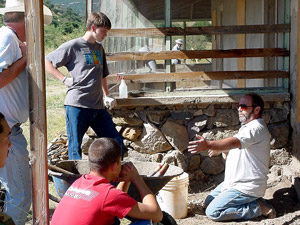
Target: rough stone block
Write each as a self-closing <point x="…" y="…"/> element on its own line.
<point x="151" y="141"/>
<point x="196" y="125"/>
<point x="212" y="165"/>
<point x="195" y="162"/>
<point x="177" y="115"/>
<point x="210" y="111"/>
<point x="131" y="133"/>
<point x="176" y="134"/>
<point x="280" y="134"/>
<point x="135" y="122"/>
<point x="278" y="115"/>
<point x="226" y="117"/>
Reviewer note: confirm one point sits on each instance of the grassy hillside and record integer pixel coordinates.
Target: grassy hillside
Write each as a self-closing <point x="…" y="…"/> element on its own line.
<point x="66" y="25"/>
<point x="77" y="6"/>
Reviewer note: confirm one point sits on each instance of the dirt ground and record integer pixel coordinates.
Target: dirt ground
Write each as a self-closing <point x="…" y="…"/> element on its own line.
<point x="282" y="196"/>
<point x="280" y="193"/>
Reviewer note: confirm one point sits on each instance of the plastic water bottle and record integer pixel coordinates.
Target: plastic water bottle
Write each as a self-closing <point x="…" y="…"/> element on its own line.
<point x="123" y="89"/>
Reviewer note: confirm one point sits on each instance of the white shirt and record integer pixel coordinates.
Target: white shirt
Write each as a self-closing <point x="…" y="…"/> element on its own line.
<point x="175" y="48"/>
<point x="247" y="167"/>
<point x="14" y="96"/>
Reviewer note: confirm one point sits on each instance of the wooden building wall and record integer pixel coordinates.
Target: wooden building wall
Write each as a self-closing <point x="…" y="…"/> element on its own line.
<point x="123" y="14"/>
<point x="249" y="12"/>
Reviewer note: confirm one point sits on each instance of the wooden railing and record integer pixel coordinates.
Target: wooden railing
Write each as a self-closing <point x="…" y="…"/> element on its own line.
<point x="218" y="30"/>
<point x="198" y="54"/>
<point x="201" y="75"/>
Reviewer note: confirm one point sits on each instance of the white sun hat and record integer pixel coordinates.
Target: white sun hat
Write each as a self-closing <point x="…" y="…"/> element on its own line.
<point x="18" y="6"/>
<point x="179" y="41"/>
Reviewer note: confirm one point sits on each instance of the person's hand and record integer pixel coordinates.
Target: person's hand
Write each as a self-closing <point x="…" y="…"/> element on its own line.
<point x="68" y="81"/>
<point x="200" y="145"/>
<point x="109" y="102"/>
<point x="128" y="172"/>
<point x="23" y="48"/>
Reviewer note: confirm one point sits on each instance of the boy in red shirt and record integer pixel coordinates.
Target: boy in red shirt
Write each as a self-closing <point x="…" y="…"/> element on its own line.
<point x="93" y="200"/>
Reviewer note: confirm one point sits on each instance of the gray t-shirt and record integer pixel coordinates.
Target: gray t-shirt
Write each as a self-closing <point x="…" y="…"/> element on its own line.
<point x="86" y="63"/>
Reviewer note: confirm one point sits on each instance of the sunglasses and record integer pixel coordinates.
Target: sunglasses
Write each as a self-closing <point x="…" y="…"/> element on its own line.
<point x="245" y="107"/>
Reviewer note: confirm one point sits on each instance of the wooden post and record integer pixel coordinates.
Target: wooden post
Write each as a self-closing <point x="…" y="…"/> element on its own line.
<point x="269" y="39"/>
<point x="217" y="64"/>
<point x="184" y="37"/>
<point x="37" y="116"/>
<point x="286" y="45"/>
<point x="214" y="38"/>
<point x="298" y="68"/>
<point x="168" y="23"/>
<point x="241" y="39"/>
<point x="89" y="8"/>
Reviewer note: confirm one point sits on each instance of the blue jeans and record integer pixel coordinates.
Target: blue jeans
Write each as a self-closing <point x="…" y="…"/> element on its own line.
<point x="78" y="120"/>
<point x="15" y="176"/>
<point x="231" y="204"/>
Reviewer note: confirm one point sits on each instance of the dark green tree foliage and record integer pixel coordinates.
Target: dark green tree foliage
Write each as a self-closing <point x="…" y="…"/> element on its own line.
<point x="2" y="5"/>
<point x="66" y="25"/>
<point x="193" y="42"/>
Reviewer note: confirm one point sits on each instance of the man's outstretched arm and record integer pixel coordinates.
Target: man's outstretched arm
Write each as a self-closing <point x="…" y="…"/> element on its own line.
<point x="202" y="144"/>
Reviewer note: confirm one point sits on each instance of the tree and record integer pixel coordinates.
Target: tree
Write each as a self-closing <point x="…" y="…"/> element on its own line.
<point x="66" y="25"/>
<point x="2" y="5"/>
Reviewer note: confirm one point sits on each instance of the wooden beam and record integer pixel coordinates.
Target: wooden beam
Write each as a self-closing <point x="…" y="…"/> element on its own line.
<point x="198" y="54"/>
<point x="37" y="108"/>
<point x="168" y="42"/>
<point x="203" y="97"/>
<point x="213" y="30"/>
<point x="202" y="75"/>
<point x="214" y="37"/>
<point x="241" y="39"/>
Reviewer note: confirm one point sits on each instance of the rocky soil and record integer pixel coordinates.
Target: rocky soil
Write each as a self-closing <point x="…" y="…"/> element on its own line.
<point x="281" y="195"/>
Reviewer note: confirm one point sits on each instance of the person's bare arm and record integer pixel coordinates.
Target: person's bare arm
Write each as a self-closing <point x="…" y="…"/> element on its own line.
<point x="212" y="153"/>
<point x="9" y="74"/>
<point x="123" y="186"/>
<point x="148" y="209"/>
<point x="223" y="145"/>
<point x="53" y="71"/>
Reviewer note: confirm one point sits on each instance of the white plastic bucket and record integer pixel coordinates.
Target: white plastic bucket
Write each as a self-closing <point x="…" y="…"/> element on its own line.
<point x="173" y="197"/>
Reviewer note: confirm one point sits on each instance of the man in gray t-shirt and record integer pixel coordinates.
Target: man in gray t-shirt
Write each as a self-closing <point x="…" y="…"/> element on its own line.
<point x="86" y="62"/>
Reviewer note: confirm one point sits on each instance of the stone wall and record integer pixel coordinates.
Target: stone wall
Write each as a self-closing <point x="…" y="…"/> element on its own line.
<point x="161" y="133"/>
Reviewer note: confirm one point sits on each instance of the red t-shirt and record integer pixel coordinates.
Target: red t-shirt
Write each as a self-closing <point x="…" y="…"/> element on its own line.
<point x="92" y="200"/>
